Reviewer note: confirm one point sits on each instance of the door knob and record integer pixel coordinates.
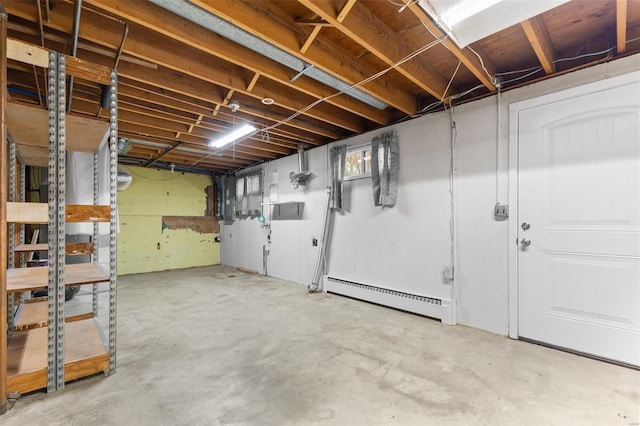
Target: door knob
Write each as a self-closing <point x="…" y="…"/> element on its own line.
<point x="525" y="226"/>
<point x="525" y="242"/>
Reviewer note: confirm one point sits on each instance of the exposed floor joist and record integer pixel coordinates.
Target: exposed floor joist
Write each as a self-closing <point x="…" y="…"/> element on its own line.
<point x="541" y="43"/>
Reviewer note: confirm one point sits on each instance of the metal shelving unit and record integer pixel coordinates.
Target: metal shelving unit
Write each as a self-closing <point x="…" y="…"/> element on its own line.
<point x="45" y="348"/>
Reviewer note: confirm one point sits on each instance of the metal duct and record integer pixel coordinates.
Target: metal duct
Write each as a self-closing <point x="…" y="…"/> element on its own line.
<point x="301" y="163"/>
<point x="303" y="176"/>
<point x="223" y="28"/>
<point x="123" y="146"/>
<point x="124" y="178"/>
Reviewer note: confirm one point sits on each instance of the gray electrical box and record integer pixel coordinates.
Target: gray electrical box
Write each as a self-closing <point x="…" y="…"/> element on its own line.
<point x="501" y="211"/>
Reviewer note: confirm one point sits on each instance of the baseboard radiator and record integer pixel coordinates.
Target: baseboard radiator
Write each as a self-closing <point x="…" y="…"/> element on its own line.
<point x="422" y="305"/>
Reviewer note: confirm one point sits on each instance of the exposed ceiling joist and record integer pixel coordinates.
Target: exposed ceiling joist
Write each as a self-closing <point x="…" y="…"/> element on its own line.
<point x="372" y="34"/>
<point x="345" y="10"/>
<point x="310" y="38"/>
<point x="483" y="70"/>
<point x="173" y="55"/>
<point x="164" y="22"/>
<point x="621" y="25"/>
<point x="538" y="36"/>
<point x="269" y="23"/>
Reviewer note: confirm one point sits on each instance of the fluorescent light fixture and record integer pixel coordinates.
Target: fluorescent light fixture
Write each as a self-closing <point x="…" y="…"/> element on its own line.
<point x="461" y="11"/>
<point x="467" y="21"/>
<point x="238" y="133"/>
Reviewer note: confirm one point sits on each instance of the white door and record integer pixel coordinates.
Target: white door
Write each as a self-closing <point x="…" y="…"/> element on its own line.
<point x="579" y="223"/>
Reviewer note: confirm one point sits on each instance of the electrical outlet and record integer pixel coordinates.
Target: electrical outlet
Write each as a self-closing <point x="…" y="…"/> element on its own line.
<point x="314" y="242"/>
<point x="501" y="211"/>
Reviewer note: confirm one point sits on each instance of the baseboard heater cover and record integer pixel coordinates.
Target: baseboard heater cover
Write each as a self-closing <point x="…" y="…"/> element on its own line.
<point x="422" y="305"/>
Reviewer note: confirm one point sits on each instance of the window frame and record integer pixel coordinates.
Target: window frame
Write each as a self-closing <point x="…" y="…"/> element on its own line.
<point x="363" y="149"/>
<point x="243" y="179"/>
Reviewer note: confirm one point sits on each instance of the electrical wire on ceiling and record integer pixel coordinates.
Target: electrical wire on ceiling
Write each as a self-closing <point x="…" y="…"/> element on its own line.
<point x="403" y="6"/>
<point x="451" y="80"/>
<point x="355" y="85"/>
<point x="341" y="92"/>
<point x="434" y="105"/>
<point x="491" y="77"/>
<point x="529" y="72"/>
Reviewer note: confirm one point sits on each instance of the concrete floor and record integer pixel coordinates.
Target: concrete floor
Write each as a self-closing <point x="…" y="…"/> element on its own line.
<point x="212" y="345"/>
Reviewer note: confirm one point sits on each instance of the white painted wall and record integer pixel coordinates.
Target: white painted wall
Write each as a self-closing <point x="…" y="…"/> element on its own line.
<point x="407" y="247"/>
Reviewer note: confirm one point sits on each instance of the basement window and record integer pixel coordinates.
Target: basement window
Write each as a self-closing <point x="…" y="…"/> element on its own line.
<point x="358" y="163"/>
<point x="248" y="195"/>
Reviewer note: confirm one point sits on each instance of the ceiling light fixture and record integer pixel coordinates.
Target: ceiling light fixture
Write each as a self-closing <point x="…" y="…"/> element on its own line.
<point x="268" y="101"/>
<point x="234" y="105"/>
<point x="467" y="21"/>
<point x="238" y="133"/>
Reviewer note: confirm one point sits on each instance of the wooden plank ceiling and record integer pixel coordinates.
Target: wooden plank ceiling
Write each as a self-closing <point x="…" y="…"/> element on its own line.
<point x="177" y="79"/>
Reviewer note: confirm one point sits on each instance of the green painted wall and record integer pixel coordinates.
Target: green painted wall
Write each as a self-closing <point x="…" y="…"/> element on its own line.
<point x="143" y="246"/>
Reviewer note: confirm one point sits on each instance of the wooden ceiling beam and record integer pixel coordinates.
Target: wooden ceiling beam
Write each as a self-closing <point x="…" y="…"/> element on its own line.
<point x="196" y="92"/>
<point x="313" y="22"/>
<point x="540" y="41"/>
<point x="621" y="25"/>
<point x="314" y="33"/>
<point x="263" y="19"/>
<point x="312" y="36"/>
<point x="158" y="19"/>
<point x="278" y="138"/>
<point x="366" y="29"/>
<point x="137" y="90"/>
<point x="202" y="94"/>
<point x="151" y="155"/>
<point x="81" y="45"/>
<point x="345" y="10"/>
<point x="210" y="157"/>
<point x="157" y="96"/>
<point x="160" y="96"/>
<point x="174" y="154"/>
<point x="244" y="153"/>
<point x="253" y="81"/>
<point x="173" y="55"/>
<point x="277" y="114"/>
<point x="202" y="134"/>
<point x="468" y="58"/>
<point x="139" y="131"/>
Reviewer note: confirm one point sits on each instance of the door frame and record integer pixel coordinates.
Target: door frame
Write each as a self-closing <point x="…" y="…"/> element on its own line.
<point x="514" y="220"/>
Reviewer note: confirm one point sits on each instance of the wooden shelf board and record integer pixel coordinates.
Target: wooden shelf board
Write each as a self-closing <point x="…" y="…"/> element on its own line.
<point x="39" y="213"/>
<point x="32" y="315"/>
<point x="85" y="354"/>
<point x="26" y="279"/>
<point x="29" y="125"/>
<point x="27" y="212"/>
<point x="26" y="248"/>
<point x="35" y="156"/>
<point x="70" y="248"/>
<point x="87" y="213"/>
<point x="35" y="314"/>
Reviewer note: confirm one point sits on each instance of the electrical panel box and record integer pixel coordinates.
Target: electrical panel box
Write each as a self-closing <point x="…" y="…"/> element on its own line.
<point x="501" y="211"/>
